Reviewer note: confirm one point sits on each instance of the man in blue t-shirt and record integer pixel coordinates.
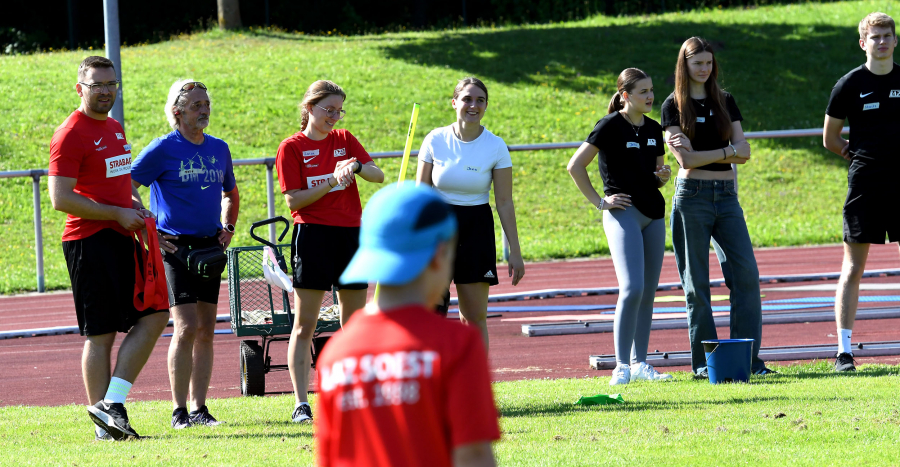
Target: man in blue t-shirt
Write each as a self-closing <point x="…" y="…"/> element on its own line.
<point x="195" y="198"/>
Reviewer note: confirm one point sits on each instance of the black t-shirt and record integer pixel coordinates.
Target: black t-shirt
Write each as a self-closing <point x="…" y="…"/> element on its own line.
<point x="872" y="104"/>
<point x="706" y="132"/>
<point x="628" y="161"/>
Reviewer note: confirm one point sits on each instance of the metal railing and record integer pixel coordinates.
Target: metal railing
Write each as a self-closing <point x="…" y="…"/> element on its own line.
<point x="269" y="162"/>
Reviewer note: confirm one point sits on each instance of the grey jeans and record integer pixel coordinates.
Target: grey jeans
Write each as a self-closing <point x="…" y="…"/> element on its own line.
<point x="637" y="244"/>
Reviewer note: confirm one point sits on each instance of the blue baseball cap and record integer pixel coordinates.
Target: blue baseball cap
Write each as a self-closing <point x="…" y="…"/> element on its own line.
<point x="402" y="226"/>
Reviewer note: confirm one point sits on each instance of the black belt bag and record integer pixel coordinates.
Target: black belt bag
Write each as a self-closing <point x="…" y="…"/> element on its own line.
<point x="205" y="263"/>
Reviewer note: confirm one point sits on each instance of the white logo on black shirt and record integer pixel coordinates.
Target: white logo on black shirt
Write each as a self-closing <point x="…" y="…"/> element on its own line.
<point x="632" y="144"/>
<point x="701" y="119"/>
<point x="651" y="142"/>
<point x="871" y="106"/>
<point x="895" y="93"/>
<point x="861" y="95"/>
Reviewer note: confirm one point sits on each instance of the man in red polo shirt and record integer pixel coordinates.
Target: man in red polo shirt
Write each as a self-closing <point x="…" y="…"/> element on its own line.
<point x="400" y="385"/>
<point x="90" y="180"/>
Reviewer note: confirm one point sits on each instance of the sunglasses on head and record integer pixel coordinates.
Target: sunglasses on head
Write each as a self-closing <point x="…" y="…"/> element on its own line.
<point x="192" y="85"/>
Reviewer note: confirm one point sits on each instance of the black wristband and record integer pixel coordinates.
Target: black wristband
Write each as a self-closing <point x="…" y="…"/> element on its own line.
<point x="329" y="183"/>
<point x="358" y="169"/>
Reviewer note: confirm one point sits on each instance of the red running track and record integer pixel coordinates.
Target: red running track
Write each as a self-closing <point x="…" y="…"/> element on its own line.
<point x="46" y="370"/>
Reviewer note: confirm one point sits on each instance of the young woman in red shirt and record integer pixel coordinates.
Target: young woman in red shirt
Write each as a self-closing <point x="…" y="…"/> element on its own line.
<point x="317" y="171"/>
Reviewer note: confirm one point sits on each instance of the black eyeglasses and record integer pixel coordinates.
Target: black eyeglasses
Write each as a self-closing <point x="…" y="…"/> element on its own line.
<point x="97" y="88"/>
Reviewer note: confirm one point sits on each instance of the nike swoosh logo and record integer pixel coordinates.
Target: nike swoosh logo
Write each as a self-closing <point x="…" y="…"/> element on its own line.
<point x="204" y="187"/>
<point x="97" y="143"/>
<point x="861" y="95"/>
<point x="306" y="161"/>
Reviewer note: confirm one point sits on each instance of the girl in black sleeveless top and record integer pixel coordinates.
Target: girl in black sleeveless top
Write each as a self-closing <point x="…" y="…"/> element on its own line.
<point x="703" y="130"/>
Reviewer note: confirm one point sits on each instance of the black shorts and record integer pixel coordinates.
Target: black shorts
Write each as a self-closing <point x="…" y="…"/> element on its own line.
<point x="867" y="214"/>
<point x="476" y="252"/>
<point x="319" y="255"/>
<point x="185" y="287"/>
<point x="101" y="269"/>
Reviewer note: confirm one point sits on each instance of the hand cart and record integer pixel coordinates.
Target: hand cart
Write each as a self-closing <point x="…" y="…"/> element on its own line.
<point x="258" y="309"/>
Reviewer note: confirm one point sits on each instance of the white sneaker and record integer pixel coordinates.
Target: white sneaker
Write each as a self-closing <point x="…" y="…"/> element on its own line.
<point x="644" y="372"/>
<point x="621" y="375"/>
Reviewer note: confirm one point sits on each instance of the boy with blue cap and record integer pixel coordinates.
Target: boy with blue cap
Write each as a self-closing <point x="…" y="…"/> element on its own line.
<point x="400" y="385"/>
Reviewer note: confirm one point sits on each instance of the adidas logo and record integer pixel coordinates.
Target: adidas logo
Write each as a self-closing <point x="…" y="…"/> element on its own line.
<point x="489" y="275"/>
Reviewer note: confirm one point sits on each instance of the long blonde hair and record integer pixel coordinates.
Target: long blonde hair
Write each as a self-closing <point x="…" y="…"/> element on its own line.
<point x="315" y="93"/>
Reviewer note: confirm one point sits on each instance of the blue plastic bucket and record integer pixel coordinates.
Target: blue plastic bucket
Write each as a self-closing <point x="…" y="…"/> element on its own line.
<point x="728" y="360"/>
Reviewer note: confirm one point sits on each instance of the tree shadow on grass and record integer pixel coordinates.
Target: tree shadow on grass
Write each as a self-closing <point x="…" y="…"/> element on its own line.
<point x="643" y="405"/>
<point x="249" y="436"/>
<point x="781" y="74"/>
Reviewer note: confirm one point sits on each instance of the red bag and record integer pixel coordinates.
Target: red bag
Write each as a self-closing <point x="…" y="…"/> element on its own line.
<point x="150" y="288"/>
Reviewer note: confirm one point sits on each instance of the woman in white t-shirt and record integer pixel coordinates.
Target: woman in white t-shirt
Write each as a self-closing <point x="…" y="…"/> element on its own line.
<point x="461" y="161"/>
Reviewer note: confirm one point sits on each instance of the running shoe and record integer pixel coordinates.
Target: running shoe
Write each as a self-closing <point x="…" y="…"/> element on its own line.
<point x="303" y="413"/>
<point x="101" y="434"/>
<point x="621" y="375"/>
<point x="702" y="373"/>
<point x="644" y="372"/>
<point x="202" y="416"/>
<point x="765" y="371"/>
<point x="113" y="419"/>
<point x="181" y="419"/>
<point x="844" y="362"/>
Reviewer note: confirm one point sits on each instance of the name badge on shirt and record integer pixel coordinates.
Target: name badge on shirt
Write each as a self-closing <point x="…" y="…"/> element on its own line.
<point x="118" y="165"/>
<point x="316" y="181"/>
<point x="632" y="144"/>
<point x="871" y="106"/>
<point x="340" y="152"/>
<point x="127" y="147"/>
<point x="701" y="119"/>
<point x="651" y="142"/>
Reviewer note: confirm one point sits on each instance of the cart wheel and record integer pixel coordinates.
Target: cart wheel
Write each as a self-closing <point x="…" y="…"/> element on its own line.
<point x="253" y="374"/>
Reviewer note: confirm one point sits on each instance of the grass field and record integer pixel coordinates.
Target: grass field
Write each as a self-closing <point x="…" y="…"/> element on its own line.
<point x="548" y="83"/>
<point x="807" y="415"/>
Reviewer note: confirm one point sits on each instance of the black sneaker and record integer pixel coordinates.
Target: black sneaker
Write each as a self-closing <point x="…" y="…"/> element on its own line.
<point x="844" y="362"/>
<point x="302" y="414"/>
<point x="201" y="416"/>
<point x="113" y="419"/>
<point x="765" y="371"/>
<point x="180" y="418"/>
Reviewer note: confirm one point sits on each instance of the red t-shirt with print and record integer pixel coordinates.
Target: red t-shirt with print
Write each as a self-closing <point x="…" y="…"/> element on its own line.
<point x="402" y="387"/>
<point x="303" y="163"/>
<point x="97" y="155"/>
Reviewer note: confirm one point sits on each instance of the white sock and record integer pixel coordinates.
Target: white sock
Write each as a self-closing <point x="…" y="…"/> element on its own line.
<point x="844" y="341"/>
<point x="118" y="391"/>
<point x="299" y="404"/>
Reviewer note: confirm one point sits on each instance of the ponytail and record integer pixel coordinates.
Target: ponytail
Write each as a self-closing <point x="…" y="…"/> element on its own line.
<point x="615" y="104"/>
<point x="626" y="82"/>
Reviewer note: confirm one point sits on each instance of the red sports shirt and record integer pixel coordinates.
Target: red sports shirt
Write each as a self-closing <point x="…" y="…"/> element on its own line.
<point x="96" y="153"/>
<point x="402" y="387"/>
<point x="303" y="163"/>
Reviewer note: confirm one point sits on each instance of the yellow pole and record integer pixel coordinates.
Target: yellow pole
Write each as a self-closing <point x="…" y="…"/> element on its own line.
<point x="408" y="148"/>
<point x="403" y="163"/>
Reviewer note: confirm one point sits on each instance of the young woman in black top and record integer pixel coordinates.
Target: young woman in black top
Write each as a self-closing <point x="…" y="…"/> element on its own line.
<point x="703" y="130"/>
<point x="632" y="166"/>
